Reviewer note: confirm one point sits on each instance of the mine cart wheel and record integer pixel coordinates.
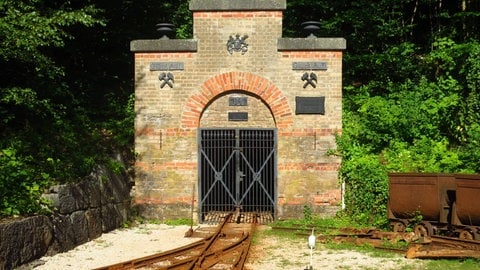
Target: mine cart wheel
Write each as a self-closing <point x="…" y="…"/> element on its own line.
<point x="423" y="229"/>
<point x="398" y="226"/>
<point x="476" y="236"/>
<point x="466" y="235"/>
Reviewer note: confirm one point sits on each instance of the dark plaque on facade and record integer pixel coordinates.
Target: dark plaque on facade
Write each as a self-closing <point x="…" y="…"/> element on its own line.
<point x="309" y="65"/>
<point x="310" y="105"/>
<point x="237" y="101"/>
<point x="237" y="116"/>
<point x="162" y="66"/>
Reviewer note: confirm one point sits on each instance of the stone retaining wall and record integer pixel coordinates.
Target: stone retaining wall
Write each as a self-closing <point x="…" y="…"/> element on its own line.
<point x="83" y="211"/>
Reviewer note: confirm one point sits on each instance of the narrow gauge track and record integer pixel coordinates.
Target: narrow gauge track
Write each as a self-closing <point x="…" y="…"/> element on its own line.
<point x="418" y="246"/>
<point x="456" y="242"/>
<point x="226" y="248"/>
<point x="444" y="247"/>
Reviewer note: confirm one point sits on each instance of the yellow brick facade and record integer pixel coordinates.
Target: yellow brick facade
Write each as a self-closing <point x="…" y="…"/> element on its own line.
<point x="168" y="118"/>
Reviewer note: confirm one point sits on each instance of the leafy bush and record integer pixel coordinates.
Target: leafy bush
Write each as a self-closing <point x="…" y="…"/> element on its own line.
<point x="20" y="185"/>
<point x="424" y="122"/>
<point x="366" y="185"/>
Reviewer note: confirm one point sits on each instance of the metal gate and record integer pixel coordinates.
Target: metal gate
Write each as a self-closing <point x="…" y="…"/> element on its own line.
<point x="237" y="171"/>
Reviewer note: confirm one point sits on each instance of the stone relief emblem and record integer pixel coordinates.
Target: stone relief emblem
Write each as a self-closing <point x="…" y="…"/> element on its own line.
<point x="309" y="79"/>
<point x="237" y="44"/>
<point x="166" y="79"/>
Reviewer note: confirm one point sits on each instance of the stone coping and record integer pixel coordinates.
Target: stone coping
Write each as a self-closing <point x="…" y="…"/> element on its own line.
<point x="311" y="44"/>
<point x="231" y="5"/>
<point x="163" y="45"/>
<point x="284" y="44"/>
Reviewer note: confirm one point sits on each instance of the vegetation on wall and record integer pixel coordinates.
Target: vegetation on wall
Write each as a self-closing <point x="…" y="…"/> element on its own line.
<point x="411" y="89"/>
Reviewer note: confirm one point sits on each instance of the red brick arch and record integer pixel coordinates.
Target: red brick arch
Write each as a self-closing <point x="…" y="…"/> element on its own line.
<point x="245" y="81"/>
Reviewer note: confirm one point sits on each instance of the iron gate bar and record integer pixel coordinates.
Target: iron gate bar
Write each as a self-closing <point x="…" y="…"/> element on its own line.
<point x="257" y="177"/>
<point x="238" y="174"/>
<point x="215" y="142"/>
<point x="261" y="144"/>
<point x="247" y="178"/>
<point x="218" y="176"/>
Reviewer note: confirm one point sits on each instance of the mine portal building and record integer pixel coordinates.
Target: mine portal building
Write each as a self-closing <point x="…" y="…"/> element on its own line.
<point x="237" y="117"/>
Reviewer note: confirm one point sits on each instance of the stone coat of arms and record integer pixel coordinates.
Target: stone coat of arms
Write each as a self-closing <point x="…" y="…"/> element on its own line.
<point x="237" y="44"/>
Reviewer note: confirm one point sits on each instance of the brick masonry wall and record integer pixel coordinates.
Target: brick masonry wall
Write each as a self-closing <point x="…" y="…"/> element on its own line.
<point x="167" y="118"/>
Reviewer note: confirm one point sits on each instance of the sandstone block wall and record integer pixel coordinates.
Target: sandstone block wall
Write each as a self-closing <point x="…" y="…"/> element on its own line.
<point x="84" y="211"/>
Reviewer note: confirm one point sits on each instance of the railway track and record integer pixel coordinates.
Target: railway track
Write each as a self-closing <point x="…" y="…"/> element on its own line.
<point x="444" y="247"/>
<point x="415" y="246"/>
<point x="228" y="244"/>
<point x="226" y="248"/>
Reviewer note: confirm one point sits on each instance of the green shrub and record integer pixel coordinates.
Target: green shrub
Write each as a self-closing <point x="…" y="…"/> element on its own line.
<point x="21" y="186"/>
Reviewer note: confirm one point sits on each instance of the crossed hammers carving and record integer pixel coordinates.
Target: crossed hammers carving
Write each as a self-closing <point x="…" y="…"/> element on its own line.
<point x="309" y="79"/>
<point x="167" y="79"/>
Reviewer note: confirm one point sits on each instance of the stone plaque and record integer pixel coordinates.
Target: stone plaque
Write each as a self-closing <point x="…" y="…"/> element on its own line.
<point x="237" y="116"/>
<point x="159" y="66"/>
<point x="237" y="101"/>
<point x="309" y="65"/>
<point x="310" y="105"/>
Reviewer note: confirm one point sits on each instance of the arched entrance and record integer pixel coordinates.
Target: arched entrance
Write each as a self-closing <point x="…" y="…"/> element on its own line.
<point x="237" y="157"/>
<point x="250" y="83"/>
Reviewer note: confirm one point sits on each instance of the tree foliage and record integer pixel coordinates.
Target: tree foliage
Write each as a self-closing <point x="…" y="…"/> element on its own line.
<point x="41" y="121"/>
<point x="411" y="88"/>
<point x="410" y="93"/>
<point x="66" y="97"/>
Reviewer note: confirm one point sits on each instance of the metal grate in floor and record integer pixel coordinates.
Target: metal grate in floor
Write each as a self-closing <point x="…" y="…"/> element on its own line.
<point x="215" y="217"/>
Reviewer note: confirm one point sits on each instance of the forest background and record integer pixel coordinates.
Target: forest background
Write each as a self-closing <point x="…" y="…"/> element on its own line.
<point x="411" y="89"/>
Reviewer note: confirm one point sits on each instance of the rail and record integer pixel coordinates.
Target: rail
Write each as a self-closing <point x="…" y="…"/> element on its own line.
<point x="227" y="247"/>
<point x="415" y="246"/>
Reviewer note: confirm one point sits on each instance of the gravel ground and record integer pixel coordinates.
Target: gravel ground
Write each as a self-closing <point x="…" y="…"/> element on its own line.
<point x="280" y="253"/>
<point x="266" y="253"/>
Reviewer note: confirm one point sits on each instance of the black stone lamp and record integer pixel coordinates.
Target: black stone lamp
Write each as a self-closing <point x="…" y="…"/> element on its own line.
<point x="310" y="28"/>
<point x="166" y="30"/>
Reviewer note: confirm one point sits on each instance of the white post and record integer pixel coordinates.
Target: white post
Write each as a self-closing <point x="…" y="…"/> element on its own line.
<point x="311" y="244"/>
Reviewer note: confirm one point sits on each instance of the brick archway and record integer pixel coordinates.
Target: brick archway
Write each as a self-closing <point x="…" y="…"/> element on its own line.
<point x="245" y="81"/>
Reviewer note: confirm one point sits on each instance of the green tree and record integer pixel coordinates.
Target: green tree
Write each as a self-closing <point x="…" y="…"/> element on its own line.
<point x="411" y="87"/>
<point x="66" y="98"/>
<point x="410" y="90"/>
<point x="40" y="121"/>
